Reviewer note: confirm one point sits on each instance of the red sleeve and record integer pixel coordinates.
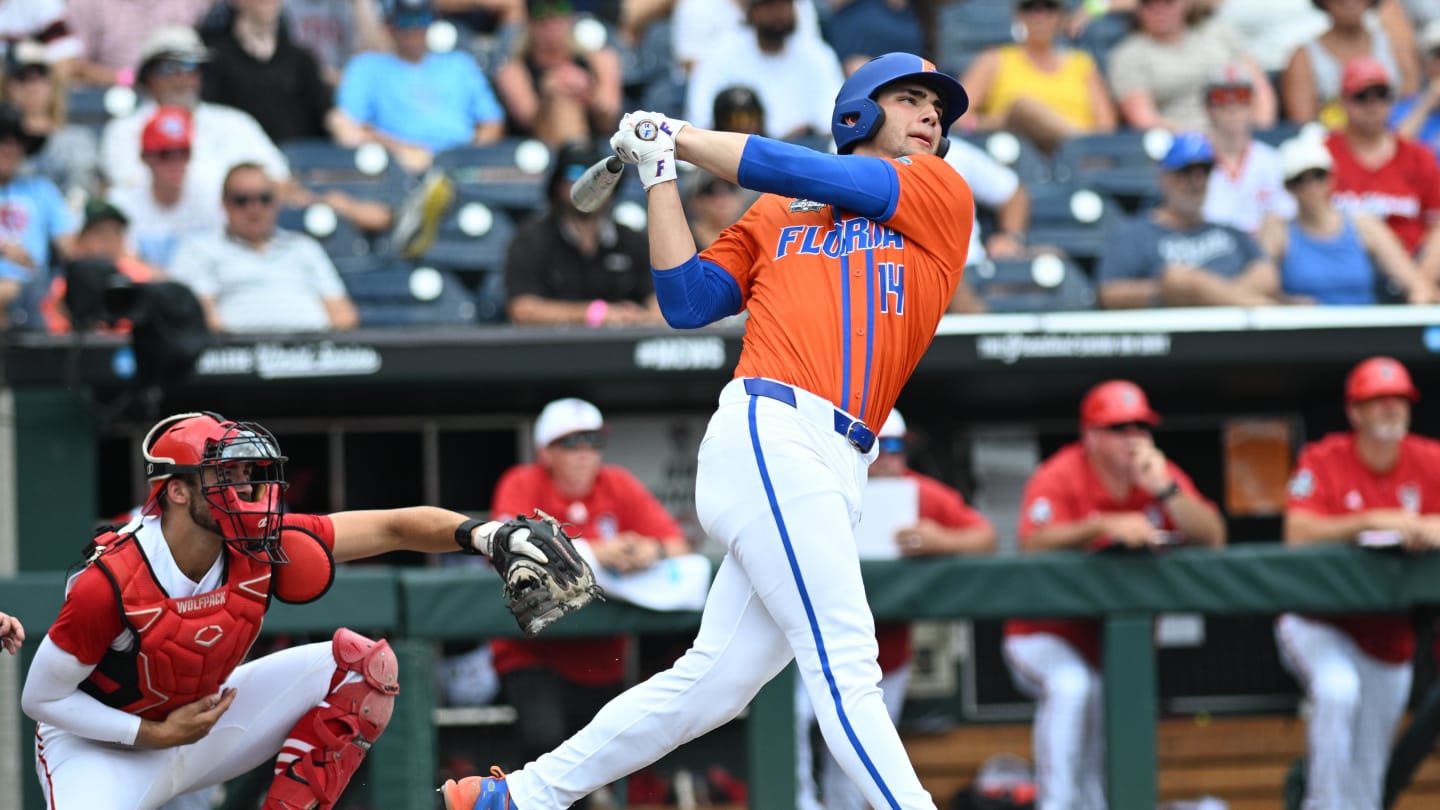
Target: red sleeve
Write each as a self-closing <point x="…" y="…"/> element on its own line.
<point x="945" y="506"/>
<point x="1429" y="173"/>
<point x="90" y="618"/>
<point x="936" y="208"/>
<point x="735" y="249"/>
<point x="1047" y="500"/>
<point x="516" y="493"/>
<point x="1311" y="488"/>
<point x="319" y="526"/>
<point x="643" y="512"/>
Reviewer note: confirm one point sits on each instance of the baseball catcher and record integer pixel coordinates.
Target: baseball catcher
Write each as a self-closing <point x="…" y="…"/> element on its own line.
<point x="544" y="577"/>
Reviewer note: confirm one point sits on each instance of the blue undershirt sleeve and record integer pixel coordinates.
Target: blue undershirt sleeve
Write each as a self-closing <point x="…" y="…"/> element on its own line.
<point x="695" y="293"/>
<point x="866" y="185"/>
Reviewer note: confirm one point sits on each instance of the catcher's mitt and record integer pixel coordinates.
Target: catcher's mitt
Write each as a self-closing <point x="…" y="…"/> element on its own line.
<point x="545" y="578"/>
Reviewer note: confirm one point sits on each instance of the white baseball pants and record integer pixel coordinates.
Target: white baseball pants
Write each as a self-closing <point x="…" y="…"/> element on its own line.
<point x="1069" y="729"/>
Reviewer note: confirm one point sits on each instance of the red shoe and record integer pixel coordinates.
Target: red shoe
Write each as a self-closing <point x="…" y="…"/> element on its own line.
<point x="478" y="792"/>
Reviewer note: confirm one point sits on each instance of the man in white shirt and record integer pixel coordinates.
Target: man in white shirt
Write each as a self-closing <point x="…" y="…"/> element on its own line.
<point x="1247" y="184"/>
<point x="796" y="77"/>
<point x="254" y="277"/>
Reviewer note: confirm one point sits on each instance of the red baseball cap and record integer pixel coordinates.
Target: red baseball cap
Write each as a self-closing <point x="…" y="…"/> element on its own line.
<point x="1363" y="72"/>
<point x="168" y="128"/>
<point x="1379" y="377"/>
<point x="1115" y="402"/>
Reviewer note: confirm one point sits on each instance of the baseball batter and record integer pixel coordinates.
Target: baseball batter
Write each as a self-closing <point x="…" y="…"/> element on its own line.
<point x="1112" y="487"/>
<point x="1356" y="669"/>
<point x="845" y="265"/>
<point x="137" y="689"/>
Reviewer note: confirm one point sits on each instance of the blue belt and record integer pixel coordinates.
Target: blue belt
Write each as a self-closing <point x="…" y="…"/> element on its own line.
<point x="855" y="431"/>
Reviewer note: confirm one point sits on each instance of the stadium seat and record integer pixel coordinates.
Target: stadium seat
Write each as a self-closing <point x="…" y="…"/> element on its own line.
<point x="1071" y="219"/>
<point x="474" y="235"/>
<point x="1120" y="164"/>
<point x="366" y="172"/>
<point x="1044" y="284"/>
<point x="397" y="294"/>
<point x="968" y="27"/>
<point x="86" y="107"/>
<point x="339" y="236"/>
<point x="508" y="174"/>
<point x="1023" y="157"/>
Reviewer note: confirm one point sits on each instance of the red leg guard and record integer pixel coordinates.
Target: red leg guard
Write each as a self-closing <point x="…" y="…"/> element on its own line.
<point x="329" y="741"/>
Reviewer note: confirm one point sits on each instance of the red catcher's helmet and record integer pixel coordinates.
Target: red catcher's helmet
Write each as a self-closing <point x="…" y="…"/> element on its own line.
<point x="240" y="470"/>
<point x="1379" y="377"/>
<point x="1115" y="402"/>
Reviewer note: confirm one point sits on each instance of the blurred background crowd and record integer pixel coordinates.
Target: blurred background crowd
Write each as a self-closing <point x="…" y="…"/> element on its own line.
<point x="326" y="164"/>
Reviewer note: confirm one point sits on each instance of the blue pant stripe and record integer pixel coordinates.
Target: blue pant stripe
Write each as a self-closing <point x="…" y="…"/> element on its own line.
<point x="810" y="611"/>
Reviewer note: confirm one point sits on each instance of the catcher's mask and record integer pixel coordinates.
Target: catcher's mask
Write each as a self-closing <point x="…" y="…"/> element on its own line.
<point x="240" y="471"/>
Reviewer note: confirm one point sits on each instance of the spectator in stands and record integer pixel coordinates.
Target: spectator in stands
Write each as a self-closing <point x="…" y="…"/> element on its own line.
<point x="712" y="205"/>
<point x="45" y="21"/>
<point x="1312" y="82"/>
<point x="67" y="154"/>
<point x="568" y="267"/>
<point x="1377" y="484"/>
<point x="1327" y="255"/>
<point x="256" y="67"/>
<point x="1111" y="489"/>
<point x="34" y="224"/>
<point x="1039" y="88"/>
<point x="114" y="31"/>
<point x="860" y="30"/>
<point x="1382" y="174"/>
<point x="1158" y="73"/>
<point x="1171" y="256"/>
<point x="1418" y="116"/>
<point x="171" y="206"/>
<point x="796" y="78"/>
<point x="697" y="26"/>
<point x="416" y="102"/>
<point x="254" y="277"/>
<point x="102" y="237"/>
<point x="738" y="109"/>
<point x="335" y="30"/>
<point x="553" y="87"/>
<point x="556" y="686"/>
<point x="998" y="189"/>
<point x="946" y="525"/>
<point x="1246" y="186"/>
<point x="169" y="75"/>
<point x="1272" y="30"/>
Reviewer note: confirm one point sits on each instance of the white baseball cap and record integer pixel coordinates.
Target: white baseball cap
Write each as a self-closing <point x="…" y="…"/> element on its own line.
<point x="894" y="427"/>
<point x="565" y="416"/>
<point x="1302" y="153"/>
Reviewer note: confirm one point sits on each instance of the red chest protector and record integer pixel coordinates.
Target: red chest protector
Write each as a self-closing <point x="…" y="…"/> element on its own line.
<point x="188" y="646"/>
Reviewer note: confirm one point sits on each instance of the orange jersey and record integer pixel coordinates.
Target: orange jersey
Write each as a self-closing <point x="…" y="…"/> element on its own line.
<point x="843" y="306"/>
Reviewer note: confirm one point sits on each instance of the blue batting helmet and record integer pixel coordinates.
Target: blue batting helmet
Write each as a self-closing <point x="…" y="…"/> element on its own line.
<point x="856" y="100"/>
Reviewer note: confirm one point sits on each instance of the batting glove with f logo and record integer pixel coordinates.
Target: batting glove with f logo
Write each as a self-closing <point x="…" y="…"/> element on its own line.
<point x="647" y="141"/>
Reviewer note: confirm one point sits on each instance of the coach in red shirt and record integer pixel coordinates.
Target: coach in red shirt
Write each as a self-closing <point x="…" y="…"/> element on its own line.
<point x="1113" y="487"/>
<point x="557" y="686"/>
<point x="1377" y="172"/>
<point x="1379" y="483"/>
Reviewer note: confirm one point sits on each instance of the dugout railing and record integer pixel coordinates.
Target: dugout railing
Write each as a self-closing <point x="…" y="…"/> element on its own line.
<point x="417" y="608"/>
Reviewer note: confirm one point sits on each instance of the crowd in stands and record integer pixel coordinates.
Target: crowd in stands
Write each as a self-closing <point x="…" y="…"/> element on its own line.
<point x="385" y="125"/>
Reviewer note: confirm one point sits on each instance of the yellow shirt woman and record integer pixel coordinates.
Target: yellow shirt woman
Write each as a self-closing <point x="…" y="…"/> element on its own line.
<point x="1066" y="90"/>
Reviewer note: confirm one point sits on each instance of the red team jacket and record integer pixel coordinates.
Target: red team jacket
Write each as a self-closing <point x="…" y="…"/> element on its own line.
<point x="943" y="505"/>
<point x="1330" y="479"/>
<point x="1066" y="489"/>
<point x="617" y="503"/>
<point x="188" y="646"/>
<point x="841" y="306"/>
<point x="1405" y="191"/>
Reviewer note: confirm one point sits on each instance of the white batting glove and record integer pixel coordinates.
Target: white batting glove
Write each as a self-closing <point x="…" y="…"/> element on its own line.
<point x="647" y="146"/>
<point x="667" y="124"/>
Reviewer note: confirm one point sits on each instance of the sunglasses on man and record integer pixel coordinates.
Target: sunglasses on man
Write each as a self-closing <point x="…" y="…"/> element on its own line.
<point x="1223" y="96"/>
<point x="891" y="444"/>
<point x="1371" y="94"/>
<point x="1127" y="427"/>
<point x="1307" y="176"/>
<point x="592" y="439"/>
<point x="243" y="200"/>
<point x="1038" y="5"/>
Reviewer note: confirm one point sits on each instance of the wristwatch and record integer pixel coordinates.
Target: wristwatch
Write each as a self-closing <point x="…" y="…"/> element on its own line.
<point x="1168" y="492"/>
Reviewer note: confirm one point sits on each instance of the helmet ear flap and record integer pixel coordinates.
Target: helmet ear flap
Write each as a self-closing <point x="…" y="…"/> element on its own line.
<point x="943" y="148"/>
<point x="869" y="118"/>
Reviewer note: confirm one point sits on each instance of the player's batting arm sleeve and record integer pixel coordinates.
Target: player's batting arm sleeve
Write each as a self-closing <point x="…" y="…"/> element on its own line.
<point x="866" y="185"/>
<point x="695" y="293"/>
<point x="52" y="695"/>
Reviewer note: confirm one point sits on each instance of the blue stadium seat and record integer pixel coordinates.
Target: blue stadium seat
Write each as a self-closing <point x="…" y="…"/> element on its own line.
<point x="396" y="294"/>
<point x="1020" y="154"/>
<point x="1043" y="284"/>
<point x="85" y="106"/>
<point x="367" y="172"/>
<point x="1117" y="164"/>
<point x="967" y="27"/>
<point x="1070" y="218"/>
<point x="339" y="236"/>
<point x="509" y="174"/>
<point x="474" y="236"/>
